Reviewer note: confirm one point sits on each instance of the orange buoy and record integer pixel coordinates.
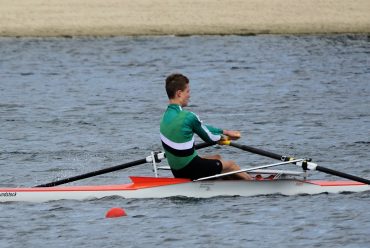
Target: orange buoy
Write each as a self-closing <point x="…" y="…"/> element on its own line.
<point x="115" y="213"/>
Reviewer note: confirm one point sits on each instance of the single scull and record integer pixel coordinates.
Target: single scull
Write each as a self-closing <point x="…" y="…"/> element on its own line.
<point x="157" y="187"/>
<point x="266" y="182"/>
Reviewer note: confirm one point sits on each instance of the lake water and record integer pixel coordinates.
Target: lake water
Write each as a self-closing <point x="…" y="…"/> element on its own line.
<point x="70" y="106"/>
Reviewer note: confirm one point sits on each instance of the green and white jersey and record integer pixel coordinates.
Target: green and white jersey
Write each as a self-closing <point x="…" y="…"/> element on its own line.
<point x="177" y="135"/>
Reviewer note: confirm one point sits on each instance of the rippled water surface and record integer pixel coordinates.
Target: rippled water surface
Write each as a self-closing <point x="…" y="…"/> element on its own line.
<point x="69" y="106"/>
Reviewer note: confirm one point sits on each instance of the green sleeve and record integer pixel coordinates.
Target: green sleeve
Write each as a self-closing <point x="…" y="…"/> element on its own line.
<point x="205" y="132"/>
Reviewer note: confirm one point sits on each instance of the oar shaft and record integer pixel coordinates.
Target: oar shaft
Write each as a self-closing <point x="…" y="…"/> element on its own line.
<point x="110" y="169"/>
<point x="260" y="152"/>
<point x="304" y="165"/>
<point x="204" y="145"/>
<point x="93" y="173"/>
<point x="342" y="174"/>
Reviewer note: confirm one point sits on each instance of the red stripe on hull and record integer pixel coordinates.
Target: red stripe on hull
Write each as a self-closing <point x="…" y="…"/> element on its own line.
<point x="335" y="183"/>
<point x="137" y="183"/>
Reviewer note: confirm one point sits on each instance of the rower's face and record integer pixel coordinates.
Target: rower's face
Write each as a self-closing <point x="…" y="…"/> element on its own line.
<point x="185" y="96"/>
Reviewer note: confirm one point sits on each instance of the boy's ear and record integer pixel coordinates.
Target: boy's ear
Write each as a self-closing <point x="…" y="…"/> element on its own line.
<point x="178" y="92"/>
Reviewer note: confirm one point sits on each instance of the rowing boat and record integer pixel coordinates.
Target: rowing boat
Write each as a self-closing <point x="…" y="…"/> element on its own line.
<point x="152" y="187"/>
<point x="266" y="182"/>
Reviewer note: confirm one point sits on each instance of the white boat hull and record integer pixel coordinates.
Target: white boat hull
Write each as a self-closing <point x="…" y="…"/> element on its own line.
<point x="143" y="187"/>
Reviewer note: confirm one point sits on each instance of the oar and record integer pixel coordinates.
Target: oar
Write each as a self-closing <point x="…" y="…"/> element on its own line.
<point x="305" y="165"/>
<point x="113" y="168"/>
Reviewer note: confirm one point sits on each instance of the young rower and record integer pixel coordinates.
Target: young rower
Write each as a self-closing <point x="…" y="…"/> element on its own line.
<point x="177" y="130"/>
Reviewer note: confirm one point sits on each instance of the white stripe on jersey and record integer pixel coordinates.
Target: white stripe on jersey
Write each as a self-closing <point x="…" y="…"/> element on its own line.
<point x="178" y="146"/>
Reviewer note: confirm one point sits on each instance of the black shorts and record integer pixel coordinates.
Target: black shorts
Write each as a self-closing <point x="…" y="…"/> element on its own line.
<point x="199" y="167"/>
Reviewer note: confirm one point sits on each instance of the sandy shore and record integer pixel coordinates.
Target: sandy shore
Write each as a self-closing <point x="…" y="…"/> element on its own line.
<point x="181" y="17"/>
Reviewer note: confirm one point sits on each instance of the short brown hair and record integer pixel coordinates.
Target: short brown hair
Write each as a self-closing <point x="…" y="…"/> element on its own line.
<point x="175" y="82"/>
